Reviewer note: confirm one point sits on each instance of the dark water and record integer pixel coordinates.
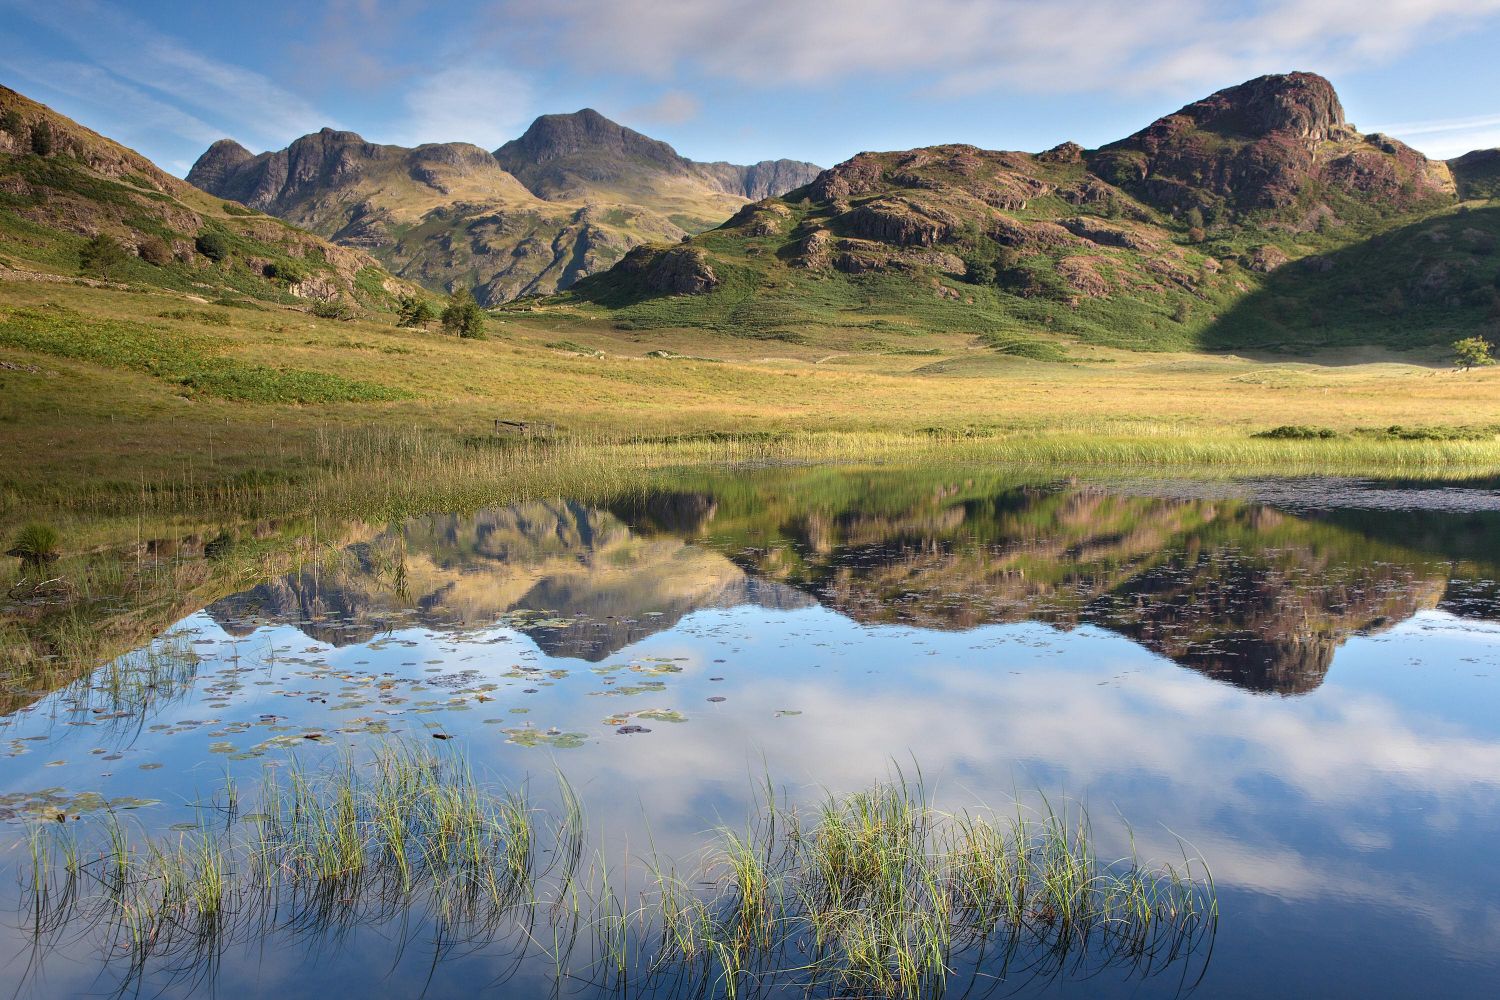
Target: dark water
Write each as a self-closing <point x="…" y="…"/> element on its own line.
<point x="1301" y="681"/>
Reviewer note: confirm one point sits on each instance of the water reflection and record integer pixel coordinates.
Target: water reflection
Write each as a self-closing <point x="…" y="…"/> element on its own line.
<point x="1233" y="589"/>
<point x="668" y="648"/>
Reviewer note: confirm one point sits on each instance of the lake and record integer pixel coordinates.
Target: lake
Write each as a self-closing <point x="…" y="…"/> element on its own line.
<point x="1297" y="682"/>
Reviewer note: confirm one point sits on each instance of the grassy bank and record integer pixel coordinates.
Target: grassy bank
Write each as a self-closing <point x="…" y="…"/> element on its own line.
<point x="129" y="400"/>
<point x="876" y="893"/>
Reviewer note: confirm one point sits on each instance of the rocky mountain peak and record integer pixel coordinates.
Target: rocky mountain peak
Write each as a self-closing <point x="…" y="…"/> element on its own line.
<point x="1303" y="105"/>
<point x="584" y="132"/>
<point x="218" y="162"/>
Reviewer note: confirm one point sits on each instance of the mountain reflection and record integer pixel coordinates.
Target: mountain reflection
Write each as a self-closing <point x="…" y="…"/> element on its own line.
<point x="1239" y="591"/>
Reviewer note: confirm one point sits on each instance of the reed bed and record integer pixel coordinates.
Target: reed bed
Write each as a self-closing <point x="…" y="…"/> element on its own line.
<point x="871" y="894"/>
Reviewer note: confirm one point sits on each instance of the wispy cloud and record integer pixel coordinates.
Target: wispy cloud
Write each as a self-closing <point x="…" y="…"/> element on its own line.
<point x="1448" y="137"/>
<point x="237" y="101"/>
<point x="964" y="45"/>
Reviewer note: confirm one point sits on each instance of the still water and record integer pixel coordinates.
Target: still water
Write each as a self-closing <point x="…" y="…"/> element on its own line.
<point x="1299" y="682"/>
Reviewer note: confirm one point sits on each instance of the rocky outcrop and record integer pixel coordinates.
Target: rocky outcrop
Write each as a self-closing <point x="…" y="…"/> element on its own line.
<point x="901" y="222"/>
<point x="1477" y="174"/>
<point x="681" y="270"/>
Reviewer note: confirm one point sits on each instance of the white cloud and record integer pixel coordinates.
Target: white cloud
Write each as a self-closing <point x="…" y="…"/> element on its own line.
<point x="957" y="45"/>
<point x="473" y="102"/>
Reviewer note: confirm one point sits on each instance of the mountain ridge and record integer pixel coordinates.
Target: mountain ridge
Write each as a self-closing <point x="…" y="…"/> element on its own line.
<point x="567" y="198"/>
<point x="1178" y="236"/>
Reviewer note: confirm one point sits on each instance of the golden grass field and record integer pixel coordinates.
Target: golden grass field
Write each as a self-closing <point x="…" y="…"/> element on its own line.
<point x="69" y="426"/>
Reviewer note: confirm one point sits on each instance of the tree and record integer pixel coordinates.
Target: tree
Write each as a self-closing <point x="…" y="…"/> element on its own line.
<point x="102" y="256"/>
<point x="212" y="245"/>
<point x="462" y="316"/>
<point x="1473" y="352"/>
<point x="12" y="122"/>
<point x="978" y="271"/>
<point x="414" y="311"/>
<point x="41" y="138"/>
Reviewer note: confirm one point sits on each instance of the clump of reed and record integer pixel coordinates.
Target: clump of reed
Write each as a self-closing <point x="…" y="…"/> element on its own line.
<point x="872" y="894"/>
<point x="878" y="894"/>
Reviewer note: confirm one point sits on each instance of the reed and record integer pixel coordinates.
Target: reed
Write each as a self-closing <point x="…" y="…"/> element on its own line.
<point x="872" y="894"/>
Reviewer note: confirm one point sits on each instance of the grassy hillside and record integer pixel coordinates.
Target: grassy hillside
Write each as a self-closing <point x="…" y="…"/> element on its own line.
<point x="62" y="186"/>
<point x="1255" y="219"/>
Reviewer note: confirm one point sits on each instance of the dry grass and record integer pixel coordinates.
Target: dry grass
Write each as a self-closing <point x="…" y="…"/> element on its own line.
<point x="70" y="425"/>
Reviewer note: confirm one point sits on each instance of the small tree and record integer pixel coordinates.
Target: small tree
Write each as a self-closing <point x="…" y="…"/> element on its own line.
<point x="41" y="138"/>
<point x="1473" y="352"/>
<point x="12" y="122"/>
<point x="212" y="245"/>
<point x="415" y="311"/>
<point x="102" y="255"/>
<point x="462" y="316"/>
<point x="978" y="271"/>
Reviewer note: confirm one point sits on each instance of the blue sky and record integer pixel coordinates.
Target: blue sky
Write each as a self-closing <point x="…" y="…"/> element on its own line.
<point x="738" y="80"/>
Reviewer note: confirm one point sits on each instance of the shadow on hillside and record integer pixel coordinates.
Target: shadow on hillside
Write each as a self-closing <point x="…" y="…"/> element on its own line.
<point x="1416" y="288"/>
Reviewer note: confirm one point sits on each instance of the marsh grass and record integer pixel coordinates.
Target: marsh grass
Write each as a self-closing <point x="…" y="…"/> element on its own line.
<point x="871" y="894"/>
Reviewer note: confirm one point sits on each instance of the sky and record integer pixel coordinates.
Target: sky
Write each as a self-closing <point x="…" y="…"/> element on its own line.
<point x="737" y="80"/>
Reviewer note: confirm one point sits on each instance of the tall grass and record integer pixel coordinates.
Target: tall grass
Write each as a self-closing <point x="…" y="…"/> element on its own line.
<point x="872" y="894"/>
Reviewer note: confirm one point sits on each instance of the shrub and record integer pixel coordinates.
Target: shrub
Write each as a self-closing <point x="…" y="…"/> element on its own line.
<point x="41" y="138"/>
<point x="415" y="311"/>
<point x="154" y="250"/>
<point x="12" y="122"/>
<point x="233" y="208"/>
<point x="1297" y="432"/>
<point x="212" y="245"/>
<point x="462" y="316"/>
<point x="285" y="270"/>
<point x="102" y="255"/>
<point x="332" y="309"/>
<point x="35" y="544"/>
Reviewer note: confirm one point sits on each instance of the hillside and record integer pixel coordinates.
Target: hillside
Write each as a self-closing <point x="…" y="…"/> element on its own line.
<point x="1257" y="218"/>
<point x="62" y="185"/>
<point x="566" y="199"/>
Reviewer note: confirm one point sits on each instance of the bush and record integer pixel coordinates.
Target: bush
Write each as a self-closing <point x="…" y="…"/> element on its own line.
<point x="285" y="270"/>
<point x="41" y="138"/>
<point x="1297" y="432"/>
<point x="332" y="309"/>
<point x="102" y="256"/>
<point x="415" y="311"/>
<point x="462" y="316"/>
<point x="12" y="122"/>
<point x="212" y="245"/>
<point x="35" y="544"/>
<point x="233" y="208"/>
<point x="154" y="250"/>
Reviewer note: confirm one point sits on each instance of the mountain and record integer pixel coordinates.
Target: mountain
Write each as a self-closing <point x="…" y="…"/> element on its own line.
<point x="566" y="199"/>
<point x="62" y="184"/>
<point x="1189" y="233"/>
